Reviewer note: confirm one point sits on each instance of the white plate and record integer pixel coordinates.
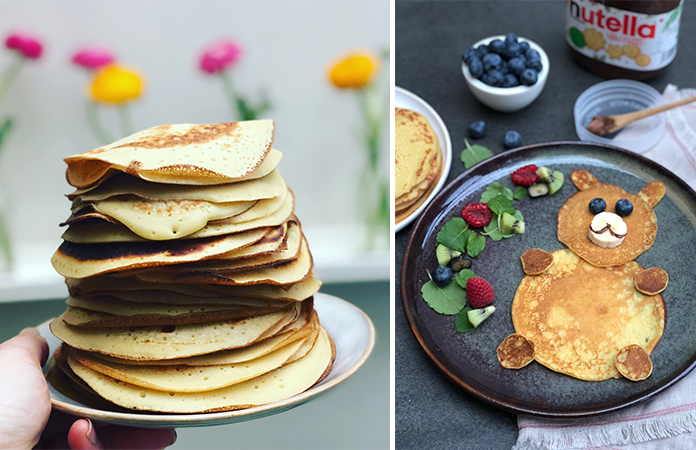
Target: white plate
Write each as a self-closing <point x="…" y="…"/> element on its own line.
<point x="351" y="330"/>
<point x="408" y="100"/>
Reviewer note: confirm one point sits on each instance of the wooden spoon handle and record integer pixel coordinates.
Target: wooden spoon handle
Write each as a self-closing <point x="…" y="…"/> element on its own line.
<point x="622" y="120"/>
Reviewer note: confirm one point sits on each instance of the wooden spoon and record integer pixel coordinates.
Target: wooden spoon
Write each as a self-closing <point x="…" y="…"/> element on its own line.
<point x="601" y="125"/>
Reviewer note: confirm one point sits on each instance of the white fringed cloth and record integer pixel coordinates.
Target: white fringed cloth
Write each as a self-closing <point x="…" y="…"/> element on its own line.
<point x="667" y="422"/>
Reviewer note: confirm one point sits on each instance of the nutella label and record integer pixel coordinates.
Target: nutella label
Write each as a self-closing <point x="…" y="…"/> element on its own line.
<point x="621" y="38"/>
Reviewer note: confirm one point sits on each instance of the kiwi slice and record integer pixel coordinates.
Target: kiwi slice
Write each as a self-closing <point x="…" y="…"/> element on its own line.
<point x="553" y="178"/>
<point x="476" y="316"/>
<point x="537" y="190"/>
<point x="510" y="224"/>
<point x="445" y="254"/>
<point x="555" y="182"/>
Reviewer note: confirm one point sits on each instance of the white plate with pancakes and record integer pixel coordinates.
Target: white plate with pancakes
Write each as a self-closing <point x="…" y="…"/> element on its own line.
<point x="350" y="328"/>
<point x="407" y="100"/>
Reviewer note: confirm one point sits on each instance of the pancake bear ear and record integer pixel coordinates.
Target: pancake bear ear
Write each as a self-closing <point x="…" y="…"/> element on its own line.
<point x="652" y="193"/>
<point x="582" y="179"/>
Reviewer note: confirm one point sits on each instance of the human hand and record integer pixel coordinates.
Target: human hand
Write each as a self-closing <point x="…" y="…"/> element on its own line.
<point x="26" y="420"/>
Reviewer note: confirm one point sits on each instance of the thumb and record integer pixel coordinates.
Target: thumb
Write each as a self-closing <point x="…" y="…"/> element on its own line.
<point x="28" y="345"/>
<point x="82" y="436"/>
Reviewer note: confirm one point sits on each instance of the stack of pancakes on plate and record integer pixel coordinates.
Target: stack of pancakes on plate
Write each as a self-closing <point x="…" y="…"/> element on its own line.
<point x="418" y="161"/>
<point x="190" y="279"/>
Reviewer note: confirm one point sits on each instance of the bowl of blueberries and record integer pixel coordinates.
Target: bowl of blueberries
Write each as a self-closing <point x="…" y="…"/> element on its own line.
<point x="505" y="73"/>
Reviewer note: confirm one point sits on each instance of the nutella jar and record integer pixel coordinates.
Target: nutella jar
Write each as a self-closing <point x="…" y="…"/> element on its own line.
<point x="635" y="39"/>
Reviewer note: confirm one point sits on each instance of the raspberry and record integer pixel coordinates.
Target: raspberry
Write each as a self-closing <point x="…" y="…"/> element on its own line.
<point x="477" y="214"/>
<point x="479" y="292"/>
<point x="526" y="176"/>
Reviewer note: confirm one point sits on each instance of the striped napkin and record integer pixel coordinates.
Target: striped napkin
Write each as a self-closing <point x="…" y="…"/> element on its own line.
<point x="669" y="420"/>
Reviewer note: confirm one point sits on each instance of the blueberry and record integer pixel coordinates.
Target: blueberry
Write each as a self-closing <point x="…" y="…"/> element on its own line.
<point x="442" y="276"/>
<point x="495" y="78"/>
<point x="531" y="54"/>
<point x="468" y="53"/>
<point x="477" y="129"/>
<point x="496" y="46"/>
<point x="504" y="69"/>
<point x="475" y="67"/>
<point x="512" y="49"/>
<point x="597" y="205"/>
<point x="491" y="61"/>
<point x="511" y="37"/>
<point x="528" y="77"/>
<point x="517" y="65"/>
<point x="512" y="139"/>
<point x="482" y="50"/>
<point x="510" y="81"/>
<point x="623" y="207"/>
<point x="524" y="45"/>
<point x="534" y="64"/>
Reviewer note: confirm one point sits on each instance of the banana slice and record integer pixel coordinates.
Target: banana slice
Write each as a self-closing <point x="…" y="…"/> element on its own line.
<point x="607" y="230"/>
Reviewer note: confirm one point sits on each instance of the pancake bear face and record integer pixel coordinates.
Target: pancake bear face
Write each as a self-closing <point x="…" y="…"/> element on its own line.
<point x="574" y="220"/>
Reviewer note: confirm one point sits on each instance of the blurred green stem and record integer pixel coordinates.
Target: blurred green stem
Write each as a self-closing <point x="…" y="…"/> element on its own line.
<point x="95" y="125"/>
<point x="9" y="75"/>
<point x="126" y="120"/>
<point x="240" y="107"/>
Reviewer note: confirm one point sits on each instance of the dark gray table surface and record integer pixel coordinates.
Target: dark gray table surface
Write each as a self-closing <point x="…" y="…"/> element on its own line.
<point x="432" y="412"/>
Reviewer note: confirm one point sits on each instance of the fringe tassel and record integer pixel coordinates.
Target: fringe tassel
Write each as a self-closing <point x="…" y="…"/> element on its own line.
<point x="615" y="434"/>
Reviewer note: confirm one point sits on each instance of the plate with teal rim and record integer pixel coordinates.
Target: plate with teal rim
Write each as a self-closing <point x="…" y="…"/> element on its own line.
<point x="350" y="328"/>
<point x="469" y="359"/>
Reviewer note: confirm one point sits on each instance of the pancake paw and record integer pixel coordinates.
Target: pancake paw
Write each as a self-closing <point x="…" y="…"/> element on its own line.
<point x="634" y="363"/>
<point x="536" y="261"/>
<point x="652" y="281"/>
<point x="515" y="352"/>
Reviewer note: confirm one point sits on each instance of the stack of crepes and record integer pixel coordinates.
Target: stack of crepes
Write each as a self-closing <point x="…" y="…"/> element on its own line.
<point x="190" y="279"/>
<point x="418" y="161"/>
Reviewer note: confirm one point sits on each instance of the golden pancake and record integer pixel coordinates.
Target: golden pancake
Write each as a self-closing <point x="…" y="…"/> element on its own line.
<point x="418" y="190"/>
<point x="276" y="385"/>
<point x="634" y="363"/>
<point x="233" y="356"/>
<point x="180" y="154"/>
<point x="135" y="290"/>
<point x="579" y="315"/>
<point x="189" y="378"/>
<point x="147" y="343"/>
<point x="536" y="261"/>
<point x="94" y="230"/>
<point x="652" y="281"/>
<point x="85" y="260"/>
<point x="416" y="144"/>
<point x="515" y="352"/>
<point x="574" y="220"/>
<point x="269" y="186"/>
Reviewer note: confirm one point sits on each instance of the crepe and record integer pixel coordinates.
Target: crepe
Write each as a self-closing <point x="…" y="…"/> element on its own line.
<point x="579" y="316"/>
<point x="85" y="260"/>
<point x="147" y="343"/>
<point x="273" y="386"/>
<point x="89" y="229"/>
<point x="416" y="144"/>
<point x="417" y="192"/>
<point x="574" y="219"/>
<point x="180" y="154"/>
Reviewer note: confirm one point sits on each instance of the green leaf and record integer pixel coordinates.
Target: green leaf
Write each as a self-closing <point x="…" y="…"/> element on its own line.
<point x="501" y="204"/>
<point x="475" y="245"/>
<point x="493" y="190"/>
<point x="462" y="323"/>
<point x="454" y="234"/>
<point x="446" y="300"/>
<point x="463" y="277"/>
<point x="474" y="154"/>
<point x="520" y="193"/>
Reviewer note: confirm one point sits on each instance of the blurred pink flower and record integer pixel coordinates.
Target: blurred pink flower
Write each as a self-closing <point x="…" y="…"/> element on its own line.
<point x="27" y="45"/>
<point x="93" y="57"/>
<point x="219" y="56"/>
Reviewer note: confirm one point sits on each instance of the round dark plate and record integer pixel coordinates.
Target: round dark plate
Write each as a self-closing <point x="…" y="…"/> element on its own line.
<point x="469" y="359"/>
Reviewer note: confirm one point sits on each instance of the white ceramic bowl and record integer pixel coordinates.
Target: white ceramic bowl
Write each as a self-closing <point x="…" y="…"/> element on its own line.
<point x="508" y="99"/>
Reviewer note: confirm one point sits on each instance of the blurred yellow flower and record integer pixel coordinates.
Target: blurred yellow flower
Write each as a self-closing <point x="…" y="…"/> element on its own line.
<point x="354" y="71"/>
<point x="115" y="84"/>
